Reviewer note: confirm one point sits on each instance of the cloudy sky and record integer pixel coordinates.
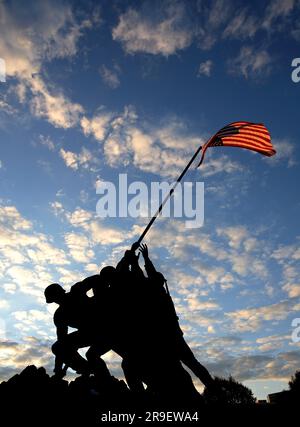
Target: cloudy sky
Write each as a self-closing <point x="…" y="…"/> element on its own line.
<point x="95" y="89"/>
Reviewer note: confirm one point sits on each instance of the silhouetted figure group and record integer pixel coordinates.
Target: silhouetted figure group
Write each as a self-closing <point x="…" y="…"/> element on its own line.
<point x="133" y="315"/>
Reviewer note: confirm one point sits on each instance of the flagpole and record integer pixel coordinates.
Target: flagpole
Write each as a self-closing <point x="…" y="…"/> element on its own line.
<point x="168" y="195"/>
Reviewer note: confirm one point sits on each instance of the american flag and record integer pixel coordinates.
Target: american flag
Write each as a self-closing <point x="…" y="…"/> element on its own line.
<point x="253" y="136"/>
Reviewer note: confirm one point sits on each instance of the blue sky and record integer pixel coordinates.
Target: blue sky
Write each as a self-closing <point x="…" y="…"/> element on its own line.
<point x="95" y="89"/>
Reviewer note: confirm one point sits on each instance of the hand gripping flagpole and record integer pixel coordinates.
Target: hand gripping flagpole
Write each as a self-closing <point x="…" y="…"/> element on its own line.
<point x="168" y="196"/>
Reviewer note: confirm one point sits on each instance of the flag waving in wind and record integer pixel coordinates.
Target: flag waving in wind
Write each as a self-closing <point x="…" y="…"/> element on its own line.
<point x="253" y="136"/>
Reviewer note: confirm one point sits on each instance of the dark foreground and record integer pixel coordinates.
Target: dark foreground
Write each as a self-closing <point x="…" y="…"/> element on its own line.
<point x="34" y="398"/>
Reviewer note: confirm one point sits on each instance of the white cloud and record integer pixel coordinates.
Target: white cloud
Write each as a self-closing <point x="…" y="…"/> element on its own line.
<point x="277" y="9"/>
<point x="67" y="276"/>
<point x="16" y="356"/>
<point x="92" y="268"/>
<point x="110" y="76"/>
<point x="3" y="304"/>
<point x="70" y="158"/>
<point x="251" y="62"/>
<point x="293" y="290"/>
<point x="205" y="68"/>
<point x="47" y="142"/>
<point x="6" y="107"/>
<point x="97" y="126"/>
<point x="251" y="319"/>
<point x="222" y="19"/>
<point x="212" y="16"/>
<point x="165" y="34"/>
<point x="9" y="288"/>
<point x="79" y="247"/>
<point x="222" y="163"/>
<point x="31" y="35"/>
<point x="31" y="282"/>
<point x="85" y="159"/>
<point x="57" y="208"/>
<point x="55" y="107"/>
<point x="26" y="255"/>
<point x="102" y="234"/>
<point x="242" y="25"/>
<point x="97" y="231"/>
<point x="195" y="304"/>
<point x="257" y="366"/>
<point x="284" y="252"/>
<point x="272" y="342"/>
<point x="235" y="235"/>
<point x="11" y="217"/>
<point x="79" y="217"/>
<point x="160" y="150"/>
<point x="285" y="151"/>
<point x="35" y="33"/>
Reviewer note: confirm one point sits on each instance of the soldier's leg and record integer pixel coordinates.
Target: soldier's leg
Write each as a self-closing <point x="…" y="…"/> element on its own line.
<point x="66" y="350"/>
<point x="130" y="364"/>
<point x="187" y="357"/>
<point x="96" y="364"/>
<point x="180" y="385"/>
<point x="132" y="376"/>
<point x="59" y="361"/>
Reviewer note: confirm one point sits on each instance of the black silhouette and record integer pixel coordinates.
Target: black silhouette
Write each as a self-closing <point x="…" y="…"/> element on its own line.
<point x="229" y="392"/>
<point x="78" y="311"/>
<point x="34" y="398"/>
<point x="145" y="329"/>
<point x="132" y="314"/>
<point x="294" y="384"/>
<point x="169" y="320"/>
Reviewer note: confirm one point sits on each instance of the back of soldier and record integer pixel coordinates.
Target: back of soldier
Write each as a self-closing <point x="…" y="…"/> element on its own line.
<point x="78" y="309"/>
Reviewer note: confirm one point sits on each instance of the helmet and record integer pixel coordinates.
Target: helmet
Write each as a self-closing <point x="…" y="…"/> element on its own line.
<point x="107" y="272"/>
<point x="52" y="292"/>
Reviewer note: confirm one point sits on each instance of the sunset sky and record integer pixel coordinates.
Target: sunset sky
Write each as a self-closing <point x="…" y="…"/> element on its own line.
<point x="98" y="88"/>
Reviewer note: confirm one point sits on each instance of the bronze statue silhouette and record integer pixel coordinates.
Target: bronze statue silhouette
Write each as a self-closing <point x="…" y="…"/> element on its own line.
<point x="78" y="311"/>
<point x="170" y="321"/>
<point x="132" y="314"/>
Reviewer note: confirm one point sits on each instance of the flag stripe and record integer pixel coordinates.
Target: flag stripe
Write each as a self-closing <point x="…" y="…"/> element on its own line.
<point x="250" y="147"/>
<point x="263" y="136"/>
<point x="237" y="141"/>
<point x="245" y="129"/>
<point x="256" y="141"/>
<point x="244" y="125"/>
<point x="246" y="135"/>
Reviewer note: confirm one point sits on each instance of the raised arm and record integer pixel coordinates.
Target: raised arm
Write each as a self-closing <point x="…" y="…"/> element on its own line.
<point x="134" y="262"/>
<point x="130" y="259"/>
<point x="149" y="267"/>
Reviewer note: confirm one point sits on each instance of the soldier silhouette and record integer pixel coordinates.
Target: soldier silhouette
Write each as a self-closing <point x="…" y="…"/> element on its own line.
<point x="145" y="320"/>
<point x="78" y="311"/>
<point x="133" y="315"/>
<point x="167" y="322"/>
<point x="121" y="283"/>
